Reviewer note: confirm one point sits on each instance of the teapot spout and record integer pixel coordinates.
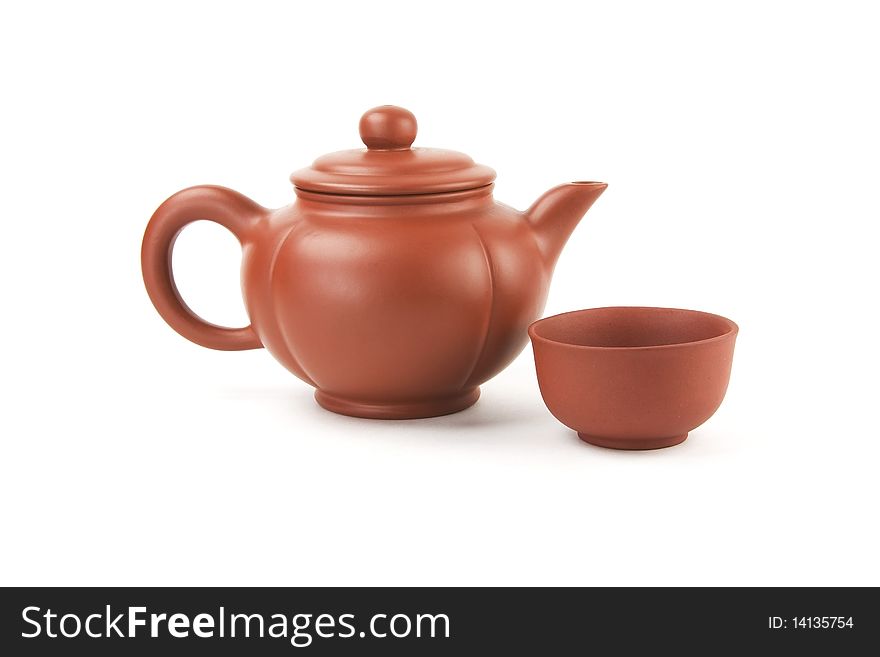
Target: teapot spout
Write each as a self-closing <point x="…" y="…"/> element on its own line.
<point x="554" y="216"/>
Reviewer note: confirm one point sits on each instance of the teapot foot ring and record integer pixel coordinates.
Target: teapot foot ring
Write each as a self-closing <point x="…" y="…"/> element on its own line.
<point x="633" y="443"/>
<point x="398" y="410"/>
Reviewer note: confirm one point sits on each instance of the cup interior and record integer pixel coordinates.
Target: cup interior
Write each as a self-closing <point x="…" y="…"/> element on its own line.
<point x="632" y="327"/>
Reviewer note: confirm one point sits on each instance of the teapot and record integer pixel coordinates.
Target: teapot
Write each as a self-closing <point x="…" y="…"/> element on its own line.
<point x="394" y="284"/>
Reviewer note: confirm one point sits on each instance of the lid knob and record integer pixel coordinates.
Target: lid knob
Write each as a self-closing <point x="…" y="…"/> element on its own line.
<point x="388" y="128"/>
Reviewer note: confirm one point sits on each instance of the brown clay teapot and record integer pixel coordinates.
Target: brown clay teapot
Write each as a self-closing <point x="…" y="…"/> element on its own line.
<point x="395" y="284"/>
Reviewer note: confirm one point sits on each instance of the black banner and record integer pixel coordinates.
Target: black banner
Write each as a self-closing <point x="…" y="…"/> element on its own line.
<point x="416" y="621"/>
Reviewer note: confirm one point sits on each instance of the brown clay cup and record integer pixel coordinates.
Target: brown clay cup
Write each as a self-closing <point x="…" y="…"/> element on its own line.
<point x="633" y="378"/>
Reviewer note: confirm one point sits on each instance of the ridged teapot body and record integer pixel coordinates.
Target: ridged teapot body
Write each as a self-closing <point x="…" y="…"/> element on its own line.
<point x="411" y="303"/>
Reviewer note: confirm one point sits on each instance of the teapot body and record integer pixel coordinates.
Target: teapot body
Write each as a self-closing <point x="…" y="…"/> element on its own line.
<point x="394" y="307"/>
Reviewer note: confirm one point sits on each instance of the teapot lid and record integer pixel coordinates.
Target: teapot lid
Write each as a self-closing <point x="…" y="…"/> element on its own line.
<point x="389" y="165"/>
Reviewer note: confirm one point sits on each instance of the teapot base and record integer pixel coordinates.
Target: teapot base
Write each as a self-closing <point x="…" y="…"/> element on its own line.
<point x="401" y="410"/>
<point x="633" y="443"/>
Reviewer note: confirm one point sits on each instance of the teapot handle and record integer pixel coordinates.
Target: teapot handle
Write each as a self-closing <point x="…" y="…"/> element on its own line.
<point x="226" y="207"/>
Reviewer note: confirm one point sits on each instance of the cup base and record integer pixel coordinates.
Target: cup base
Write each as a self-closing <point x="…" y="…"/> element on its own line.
<point x="633" y="443"/>
<point x="398" y="411"/>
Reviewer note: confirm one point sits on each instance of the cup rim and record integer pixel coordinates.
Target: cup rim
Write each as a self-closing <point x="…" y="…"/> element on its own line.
<point x="731" y="332"/>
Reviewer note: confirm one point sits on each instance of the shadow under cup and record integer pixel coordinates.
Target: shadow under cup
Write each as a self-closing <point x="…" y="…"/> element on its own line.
<point x="633" y="377"/>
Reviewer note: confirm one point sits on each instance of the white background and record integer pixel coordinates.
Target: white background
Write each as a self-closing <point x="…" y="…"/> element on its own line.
<point x="741" y="147"/>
